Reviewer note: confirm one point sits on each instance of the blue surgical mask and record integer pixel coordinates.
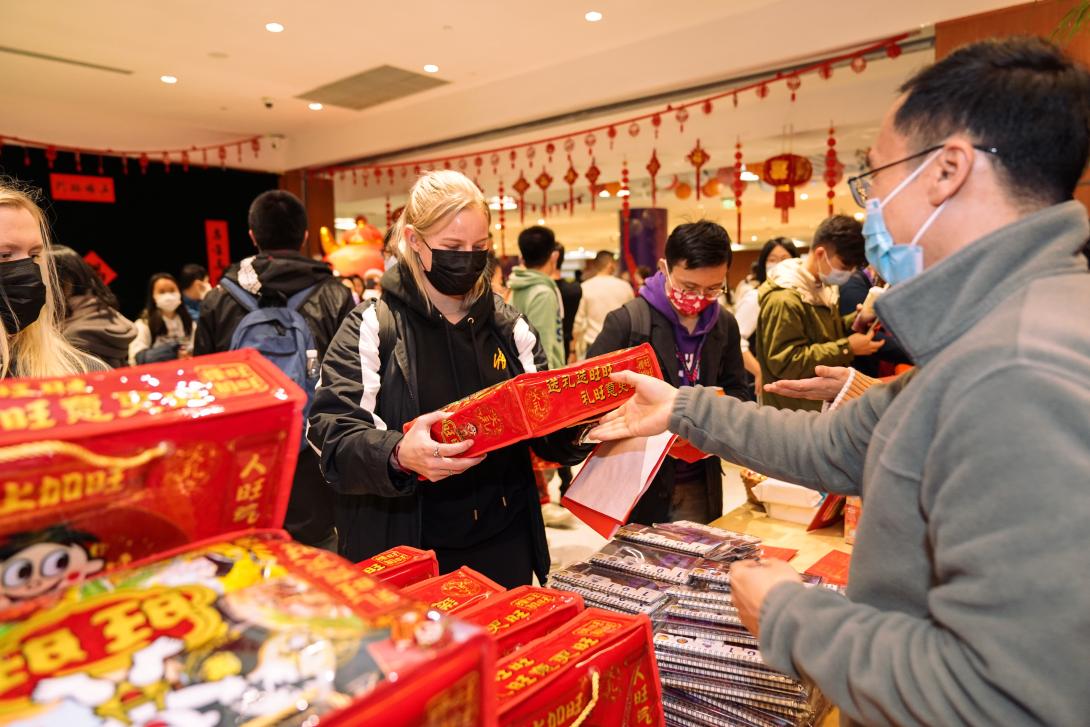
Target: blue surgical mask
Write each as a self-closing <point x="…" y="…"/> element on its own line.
<point x="895" y="263"/>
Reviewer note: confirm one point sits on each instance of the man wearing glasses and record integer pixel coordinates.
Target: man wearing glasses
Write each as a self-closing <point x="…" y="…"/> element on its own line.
<point x="697" y="342"/>
<point x="968" y="592"/>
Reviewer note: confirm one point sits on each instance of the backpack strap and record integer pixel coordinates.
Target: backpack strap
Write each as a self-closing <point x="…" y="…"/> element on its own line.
<point x="639" y="313"/>
<point x="296" y="301"/>
<point x="246" y="299"/>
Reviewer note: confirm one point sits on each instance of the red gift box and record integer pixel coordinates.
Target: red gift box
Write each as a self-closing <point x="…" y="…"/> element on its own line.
<point x="454" y="591"/>
<point x="121" y="465"/>
<point x="533" y="405"/>
<point x="522" y="615"/>
<point x="401" y="566"/>
<point x="250" y="630"/>
<point x="599" y="669"/>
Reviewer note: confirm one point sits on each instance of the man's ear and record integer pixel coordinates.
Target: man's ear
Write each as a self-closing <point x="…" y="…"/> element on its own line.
<point x="253" y="239"/>
<point x="952" y="168"/>
<point x="663" y="267"/>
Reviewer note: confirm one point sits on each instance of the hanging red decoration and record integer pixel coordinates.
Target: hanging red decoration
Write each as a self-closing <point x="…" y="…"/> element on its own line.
<point x="125" y="166"/>
<point x="26" y="157"/>
<point x="238" y="150"/>
<point x="592" y="174"/>
<point x="626" y="226"/>
<point x="520" y="186"/>
<point x="826" y="71"/>
<point x="834" y="170"/>
<point x="494" y="160"/>
<point x="707" y="107"/>
<point x="185" y="161"/>
<point x="513" y="156"/>
<point x="738" y="187"/>
<point x="530" y="153"/>
<point x="633" y="129"/>
<point x="698" y="157"/>
<point x="734" y="99"/>
<point x="446" y="164"/>
<point x="611" y="132"/>
<point x="101" y="169"/>
<point x="255" y="147"/>
<point x="569" y="145"/>
<point x="893" y="50"/>
<point x="543" y="181"/>
<point x="389" y="212"/>
<point x="682" y="116"/>
<point x="793" y="83"/>
<point x="416" y="170"/>
<point x="223" y="157"/>
<point x="390" y="174"/>
<point x="166" y="162"/>
<point x="79" y="162"/>
<point x="144" y="163"/>
<point x="503" y="222"/>
<point x="785" y="172"/>
<point x="656" y="121"/>
<point x="653" y="168"/>
<point x="463" y="164"/>
<point x="571" y="177"/>
<point x="404" y="172"/>
<point x="762" y="91"/>
<point x="204" y="158"/>
<point x="50" y="155"/>
<point x="859" y="64"/>
<point x="550" y="149"/>
<point x="590" y="140"/>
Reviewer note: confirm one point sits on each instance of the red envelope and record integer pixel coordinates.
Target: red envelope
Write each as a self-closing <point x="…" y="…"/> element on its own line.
<point x="833" y="568"/>
<point x="401" y="566"/>
<point x="522" y="615"/>
<point x="454" y="591"/>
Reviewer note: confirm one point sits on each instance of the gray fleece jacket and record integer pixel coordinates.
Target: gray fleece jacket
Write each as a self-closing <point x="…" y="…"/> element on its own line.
<point x="969" y="595"/>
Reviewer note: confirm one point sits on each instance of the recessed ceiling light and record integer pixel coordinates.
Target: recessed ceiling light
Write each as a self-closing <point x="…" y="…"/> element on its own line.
<point x="604" y="193"/>
<point x="593" y="16"/>
<point x="431" y="68"/>
<point x="541" y="220"/>
<point x="623" y="193"/>
<point x="314" y="106"/>
<point x="168" y="79"/>
<point x="748" y="176"/>
<point x="804" y="196"/>
<point x="753" y="238"/>
<point x="274" y="27"/>
<point x="497" y="226"/>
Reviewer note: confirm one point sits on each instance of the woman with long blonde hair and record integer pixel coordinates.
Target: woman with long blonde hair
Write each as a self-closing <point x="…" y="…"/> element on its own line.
<point x="31" y="308"/>
<point x="437" y="335"/>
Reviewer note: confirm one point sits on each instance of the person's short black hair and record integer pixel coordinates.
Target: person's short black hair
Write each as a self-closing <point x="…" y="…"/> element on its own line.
<point x="701" y="244"/>
<point x="1023" y="96"/>
<point x="560" y="256"/>
<point x="843" y="236"/>
<point x="190" y="274"/>
<point x="536" y="244"/>
<point x="603" y="258"/>
<point x="762" y="258"/>
<point x="77" y="277"/>
<point x="278" y="220"/>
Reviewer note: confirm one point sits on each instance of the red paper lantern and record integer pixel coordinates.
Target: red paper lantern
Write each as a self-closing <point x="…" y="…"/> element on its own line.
<point x="590" y="140"/>
<point x="612" y="134"/>
<point x="503" y="224"/>
<point x="893" y="50"/>
<point x="762" y="91"/>
<point x="633" y="129"/>
<point x="682" y="116"/>
<point x="707" y="107"/>
<point x="569" y="145"/>
<point x="793" y="83"/>
<point x="785" y="172"/>
<point x="166" y="162"/>
<point x="683" y="190"/>
<point x="513" y="155"/>
<point x="826" y="71"/>
<point x="550" y="149"/>
<point x="494" y="160"/>
<point x="859" y="64"/>
<point x="656" y="121"/>
<point x="50" y="155"/>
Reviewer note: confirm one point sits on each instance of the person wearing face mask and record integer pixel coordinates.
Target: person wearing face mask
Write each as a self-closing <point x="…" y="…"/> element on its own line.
<point x="31" y="304"/>
<point x="967" y="593"/>
<point x="774" y="252"/>
<point x="92" y="320"/>
<point x="697" y="343"/>
<point x="437" y="335"/>
<point x="193" y="280"/>
<point x="799" y="326"/>
<point x="535" y="294"/>
<point x="164" y="330"/>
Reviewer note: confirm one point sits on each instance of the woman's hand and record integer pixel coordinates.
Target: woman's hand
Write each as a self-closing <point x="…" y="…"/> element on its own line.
<point x="432" y="460"/>
<point x="644" y="415"/>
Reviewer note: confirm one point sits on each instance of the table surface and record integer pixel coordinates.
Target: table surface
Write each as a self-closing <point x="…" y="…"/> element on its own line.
<point x="812" y="547"/>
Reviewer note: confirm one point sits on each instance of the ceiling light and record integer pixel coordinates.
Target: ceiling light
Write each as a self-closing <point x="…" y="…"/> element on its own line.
<point x="748" y="176"/>
<point x="344" y="223"/>
<point x="593" y="16"/>
<point x="623" y="193"/>
<point x="541" y="220"/>
<point x="314" y="106"/>
<point x="168" y="79"/>
<point x="753" y="238"/>
<point x="497" y="226"/>
<point x="431" y="68"/>
<point x="508" y="203"/>
<point x="274" y="27"/>
<point x="804" y="196"/>
<point x="604" y="194"/>
<point x="859" y="216"/>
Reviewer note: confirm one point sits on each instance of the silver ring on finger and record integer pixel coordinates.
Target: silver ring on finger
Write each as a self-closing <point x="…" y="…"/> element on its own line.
<point x="436" y="453"/>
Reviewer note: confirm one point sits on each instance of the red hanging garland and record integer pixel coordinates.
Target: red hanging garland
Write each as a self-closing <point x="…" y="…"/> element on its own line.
<point x="738" y="187"/>
<point x="653" y="168"/>
<point x="50" y="155"/>
<point x="503" y="222"/>
<point x="698" y="157"/>
<point x="834" y="170"/>
<point x="626" y="225"/>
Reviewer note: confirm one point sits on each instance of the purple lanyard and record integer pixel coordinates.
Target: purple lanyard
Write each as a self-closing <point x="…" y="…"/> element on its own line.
<point x="691" y="375"/>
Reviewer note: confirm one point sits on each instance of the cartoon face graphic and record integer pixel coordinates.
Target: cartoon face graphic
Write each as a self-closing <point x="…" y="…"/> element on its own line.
<point x="39" y="563"/>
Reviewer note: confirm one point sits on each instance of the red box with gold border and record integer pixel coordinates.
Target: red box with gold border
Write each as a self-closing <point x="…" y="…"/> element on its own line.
<point x="533" y="405"/>
<point x="598" y="669"/>
<point x="128" y="463"/>
<point x="523" y="614"/>
<point x="454" y="591"/>
<point x="401" y="566"/>
<point x="254" y="630"/>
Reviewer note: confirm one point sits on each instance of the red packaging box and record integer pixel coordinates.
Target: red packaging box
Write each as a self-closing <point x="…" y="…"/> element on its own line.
<point x="129" y="463"/>
<point x="522" y="615"/>
<point x="253" y="630"/>
<point x="598" y="669"/>
<point x="454" y="591"/>
<point x="533" y="405"/>
<point x="401" y="566"/>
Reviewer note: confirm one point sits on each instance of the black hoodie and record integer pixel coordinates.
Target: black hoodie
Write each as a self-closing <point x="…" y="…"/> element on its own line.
<point x="361" y="406"/>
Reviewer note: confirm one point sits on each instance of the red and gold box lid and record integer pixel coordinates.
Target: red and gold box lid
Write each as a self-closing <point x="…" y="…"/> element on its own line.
<point x="523" y="614"/>
<point x="533" y="405"/>
<point x="451" y="592"/>
<point x="109" y="468"/>
<point x="255" y="630"/>
<point x="401" y="566"/>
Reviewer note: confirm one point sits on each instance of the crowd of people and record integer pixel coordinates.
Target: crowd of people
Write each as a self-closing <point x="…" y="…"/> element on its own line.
<point x="946" y="454"/>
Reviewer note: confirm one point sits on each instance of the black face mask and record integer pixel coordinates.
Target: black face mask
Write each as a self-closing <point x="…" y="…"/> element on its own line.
<point x="454" y="272"/>
<point x="22" y="294"/>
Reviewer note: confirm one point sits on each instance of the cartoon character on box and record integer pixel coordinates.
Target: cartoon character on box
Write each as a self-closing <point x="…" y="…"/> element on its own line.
<point x="43" y="562"/>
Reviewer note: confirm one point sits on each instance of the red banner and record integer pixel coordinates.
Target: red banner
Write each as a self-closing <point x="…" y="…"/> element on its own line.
<point x="104" y="271"/>
<point x="82" y="188"/>
<point x="219" y="248"/>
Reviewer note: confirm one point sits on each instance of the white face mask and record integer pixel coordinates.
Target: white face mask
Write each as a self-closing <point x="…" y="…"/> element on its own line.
<point x="168" y="302"/>
<point x="769" y="268"/>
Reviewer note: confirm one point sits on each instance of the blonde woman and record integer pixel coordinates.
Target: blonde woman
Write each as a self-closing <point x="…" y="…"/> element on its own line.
<point x="437" y="335"/>
<point x="31" y="309"/>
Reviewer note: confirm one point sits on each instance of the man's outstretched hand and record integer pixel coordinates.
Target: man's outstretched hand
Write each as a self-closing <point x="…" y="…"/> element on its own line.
<point x="823" y="387"/>
<point x="646" y="414"/>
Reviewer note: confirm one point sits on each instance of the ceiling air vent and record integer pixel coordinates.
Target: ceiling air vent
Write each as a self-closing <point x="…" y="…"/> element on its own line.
<point x="370" y="88"/>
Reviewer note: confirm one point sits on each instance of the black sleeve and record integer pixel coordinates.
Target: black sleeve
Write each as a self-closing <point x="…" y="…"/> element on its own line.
<point x="732" y="373"/>
<point x="337" y="305"/>
<point x="352" y="442"/>
<point x="204" y="341"/>
<point x="615" y="335"/>
<point x="853" y="293"/>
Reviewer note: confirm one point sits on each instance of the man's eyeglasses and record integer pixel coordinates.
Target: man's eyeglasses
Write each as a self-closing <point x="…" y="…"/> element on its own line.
<point x="860" y="185"/>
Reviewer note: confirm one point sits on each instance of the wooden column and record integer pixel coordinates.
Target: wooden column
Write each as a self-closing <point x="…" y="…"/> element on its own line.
<point x="317" y="196"/>
<point x="1037" y="18"/>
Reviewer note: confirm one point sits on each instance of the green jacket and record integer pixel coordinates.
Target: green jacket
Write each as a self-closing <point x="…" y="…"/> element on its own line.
<point x="795" y="336"/>
<point x="535" y="295"/>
